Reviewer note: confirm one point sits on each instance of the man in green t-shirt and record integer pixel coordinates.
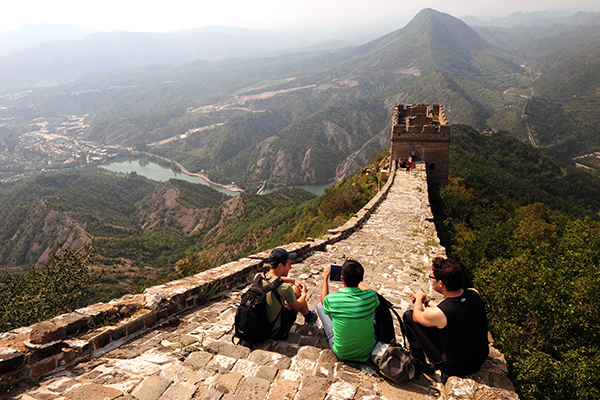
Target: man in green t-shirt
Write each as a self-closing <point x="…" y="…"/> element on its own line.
<point x="348" y="315"/>
<point x="292" y="294"/>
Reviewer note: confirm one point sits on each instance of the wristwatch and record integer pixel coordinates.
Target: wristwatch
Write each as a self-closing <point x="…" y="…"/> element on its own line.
<point x="293" y="281"/>
<point x="426" y="303"/>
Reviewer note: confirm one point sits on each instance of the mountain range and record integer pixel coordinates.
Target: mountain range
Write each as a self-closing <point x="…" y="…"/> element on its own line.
<point x="295" y="118"/>
<point x="317" y="116"/>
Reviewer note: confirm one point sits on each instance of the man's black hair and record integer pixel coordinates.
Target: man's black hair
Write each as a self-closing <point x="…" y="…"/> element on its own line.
<point x="353" y="273"/>
<point x="448" y="271"/>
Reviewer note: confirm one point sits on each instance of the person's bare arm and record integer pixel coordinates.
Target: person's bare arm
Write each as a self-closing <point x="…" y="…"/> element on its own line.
<point x="325" y="288"/>
<point x="300" y="301"/>
<point x="430" y="316"/>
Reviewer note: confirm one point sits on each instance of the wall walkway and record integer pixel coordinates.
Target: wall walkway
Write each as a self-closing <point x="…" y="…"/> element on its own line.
<point x="174" y="342"/>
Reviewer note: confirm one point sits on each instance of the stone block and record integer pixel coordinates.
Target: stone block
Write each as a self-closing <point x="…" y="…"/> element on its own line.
<point x="135" y="325"/>
<point x="73" y="322"/>
<point x="282" y="391"/>
<point x="288" y="377"/>
<point x="232" y="397"/>
<point x="101" y="340"/>
<point x="342" y="390"/>
<point x="270" y="359"/>
<point x="313" y="388"/>
<point x="61" y="384"/>
<point x="151" y="388"/>
<point x="245" y="367"/>
<point x="173" y="308"/>
<point x="204" y="393"/>
<point x="266" y="372"/>
<point x="11" y="359"/>
<point x="179" y="391"/>
<point x="43" y="367"/>
<point x="288" y="349"/>
<point x="221" y="364"/>
<point x="253" y="388"/>
<point x="149" y="318"/>
<point x="161" y="315"/>
<point x="46" y="332"/>
<point x="305" y="367"/>
<point x="309" y="353"/>
<point x="198" y="359"/>
<point x="227" y="383"/>
<point x="118" y="332"/>
<point x="228" y="349"/>
<point x="92" y="391"/>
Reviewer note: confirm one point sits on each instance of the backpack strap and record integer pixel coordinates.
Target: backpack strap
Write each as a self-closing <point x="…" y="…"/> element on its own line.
<point x="402" y="327"/>
<point x="271" y="286"/>
<point x="390" y="306"/>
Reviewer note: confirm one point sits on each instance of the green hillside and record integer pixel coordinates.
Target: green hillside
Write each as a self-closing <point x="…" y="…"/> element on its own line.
<point x="523" y="174"/>
<point x="525" y="227"/>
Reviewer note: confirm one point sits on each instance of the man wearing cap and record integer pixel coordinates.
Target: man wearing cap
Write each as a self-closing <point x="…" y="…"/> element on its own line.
<point x="292" y="293"/>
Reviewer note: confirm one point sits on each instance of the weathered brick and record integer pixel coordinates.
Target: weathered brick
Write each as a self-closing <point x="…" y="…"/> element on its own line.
<point x="43" y="367"/>
<point x="313" y="388"/>
<point x="46" y="332"/>
<point x="43" y="353"/>
<point x="151" y="388"/>
<point x="11" y="360"/>
<point x="227" y="383"/>
<point x="179" y="391"/>
<point x="282" y="391"/>
<point x="72" y="322"/>
<point x="135" y="325"/>
<point x="118" y="332"/>
<point x="92" y="391"/>
<point x="100" y="340"/>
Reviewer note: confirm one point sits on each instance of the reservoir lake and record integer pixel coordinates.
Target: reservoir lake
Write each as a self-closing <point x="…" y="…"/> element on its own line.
<point x="159" y="173"/>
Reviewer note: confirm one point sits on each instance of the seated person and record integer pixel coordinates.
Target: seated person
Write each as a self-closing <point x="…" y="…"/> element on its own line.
<point x="292" y="294"/>
<point x="453" y="334"/>
<point x="348" y="314"/>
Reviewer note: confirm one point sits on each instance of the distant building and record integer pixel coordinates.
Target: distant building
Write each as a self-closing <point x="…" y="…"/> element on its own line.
<point x="423" y="133"/>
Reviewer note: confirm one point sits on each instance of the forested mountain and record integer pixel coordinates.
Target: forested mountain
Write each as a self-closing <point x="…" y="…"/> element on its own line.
<point x="138" y="228"/>
<point x="315" y="117"/>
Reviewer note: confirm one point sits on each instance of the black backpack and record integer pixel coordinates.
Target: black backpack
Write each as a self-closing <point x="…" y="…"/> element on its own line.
<point x="384" y="322"/>
<point x="393" y="360"/>
<point x="251" y="321"/>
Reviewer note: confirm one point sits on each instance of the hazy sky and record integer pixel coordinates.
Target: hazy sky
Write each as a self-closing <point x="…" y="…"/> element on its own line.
<point x="170" y="15"/>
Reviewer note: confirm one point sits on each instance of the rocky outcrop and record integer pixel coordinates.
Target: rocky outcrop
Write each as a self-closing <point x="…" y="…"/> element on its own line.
<point x="163" y="209"/>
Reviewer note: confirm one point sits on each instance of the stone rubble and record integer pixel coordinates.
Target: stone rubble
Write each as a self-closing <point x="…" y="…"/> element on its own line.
<point x="191" y="354"/>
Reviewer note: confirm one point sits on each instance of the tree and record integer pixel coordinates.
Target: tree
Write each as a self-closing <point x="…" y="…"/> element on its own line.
<point x="61" y="285"/>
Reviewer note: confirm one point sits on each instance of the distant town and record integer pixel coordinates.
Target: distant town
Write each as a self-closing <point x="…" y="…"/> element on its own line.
<point x="51" y="144"/>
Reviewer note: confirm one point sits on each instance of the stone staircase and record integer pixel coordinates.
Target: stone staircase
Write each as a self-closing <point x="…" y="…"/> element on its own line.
<point x="182" y="345"/>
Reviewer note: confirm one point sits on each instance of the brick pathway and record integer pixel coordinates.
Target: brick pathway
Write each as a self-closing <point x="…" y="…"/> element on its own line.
<point x="192" y="357"/>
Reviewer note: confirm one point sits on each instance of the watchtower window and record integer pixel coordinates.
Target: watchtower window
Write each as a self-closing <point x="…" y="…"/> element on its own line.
<point x="431" y="166"/>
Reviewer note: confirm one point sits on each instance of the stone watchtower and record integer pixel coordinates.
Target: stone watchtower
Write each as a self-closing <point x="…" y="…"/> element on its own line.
<point x="423" y="133"/>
